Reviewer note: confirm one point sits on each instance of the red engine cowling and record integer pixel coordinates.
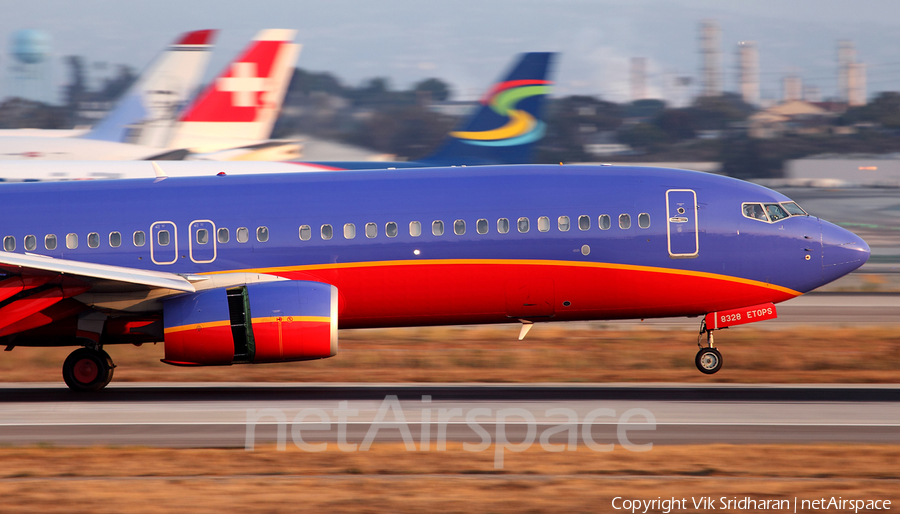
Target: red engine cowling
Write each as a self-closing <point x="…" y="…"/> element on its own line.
<point x="269" y="322"/>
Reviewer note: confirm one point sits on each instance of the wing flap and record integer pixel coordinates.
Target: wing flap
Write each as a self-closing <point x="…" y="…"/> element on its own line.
<point x="29" y="263"/>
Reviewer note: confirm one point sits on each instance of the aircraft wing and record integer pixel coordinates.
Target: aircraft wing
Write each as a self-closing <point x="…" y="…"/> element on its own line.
<point x="98" y="274"/>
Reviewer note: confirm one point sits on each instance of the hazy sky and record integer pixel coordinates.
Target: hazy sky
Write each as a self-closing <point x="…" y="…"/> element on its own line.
<point x="469" y="42"/>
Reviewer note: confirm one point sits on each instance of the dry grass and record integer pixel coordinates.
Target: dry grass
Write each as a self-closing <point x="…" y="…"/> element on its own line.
<point x="387" y="478"/>
<point x="549" y="354"/>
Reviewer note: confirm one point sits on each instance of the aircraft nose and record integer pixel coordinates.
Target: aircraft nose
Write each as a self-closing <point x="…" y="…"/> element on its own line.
<point x="842" y="250"/>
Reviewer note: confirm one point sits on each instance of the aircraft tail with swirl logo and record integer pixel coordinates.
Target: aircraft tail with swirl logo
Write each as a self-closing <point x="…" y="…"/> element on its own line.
<point x="506" y="127"/>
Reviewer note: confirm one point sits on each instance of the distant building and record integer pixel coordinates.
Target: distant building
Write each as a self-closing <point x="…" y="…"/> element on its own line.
<point x="856" y="84"/>
<point x="602" y="149"/>
<point x="793" y="89"/>
<point x="844" y="170"/>
<point x="851" y="75"/>
<point x="459" y="109"/>
<point x="711" y="58"/>
<point x="795" y="117"/>
<point x="748" y="71"/>
<point x="638" y="78"/>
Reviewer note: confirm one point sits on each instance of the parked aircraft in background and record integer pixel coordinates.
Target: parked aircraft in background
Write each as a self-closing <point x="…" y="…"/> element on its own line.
<point x="140" y="123"/>
<point x="237" y="110"/>
<point x="252" y="269"/>
<point x="503" y="130"/>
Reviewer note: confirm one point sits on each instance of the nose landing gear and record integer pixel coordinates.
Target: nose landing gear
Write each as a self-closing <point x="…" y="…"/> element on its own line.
<point x="88" y="369"/>
<point x="708" y="359"/>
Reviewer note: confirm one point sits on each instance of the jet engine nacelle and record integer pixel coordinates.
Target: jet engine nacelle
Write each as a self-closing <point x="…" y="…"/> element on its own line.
<point x="268" y="322"/>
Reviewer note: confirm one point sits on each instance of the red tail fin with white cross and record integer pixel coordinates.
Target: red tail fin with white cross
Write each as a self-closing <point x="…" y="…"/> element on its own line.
<point x="241" y="105"/>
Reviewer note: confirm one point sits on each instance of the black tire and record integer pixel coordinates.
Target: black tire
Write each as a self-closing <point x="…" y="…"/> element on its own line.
<point x="87" y="370"/>
<point x="708" y="360"/>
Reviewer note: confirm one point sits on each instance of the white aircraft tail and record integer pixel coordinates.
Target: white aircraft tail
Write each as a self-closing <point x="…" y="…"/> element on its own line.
<point x="240" y="107"/>
<point x="148" y="112"/>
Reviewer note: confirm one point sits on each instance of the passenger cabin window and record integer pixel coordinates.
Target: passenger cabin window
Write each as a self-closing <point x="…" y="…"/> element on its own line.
<point x="30" y="243"/>
<point x="437" y="227"/>
<point x="604" y="222"/>
<point x="563" y="223"/>
<point x="262" y="234"/>
<point x="305" y="233"/>
<point x="71" y="241"/>
<point x="349" y="230"/>
<point x="138" y="238"/>
<point x="9" y="243"/>
<point x="459" y="227"/>
<point x="624" y="221"/>
<point x="522" y="225"/>
<point x="415" y="228"/>
<point x="202" y="236"/>
<point x="50" y="241"/>
<point x="390" y="229"/>
<point x="162" y="238"/>
<point x="584" y="222"/>
<point x="481" y="226"/>
<point x="115" y="239"/>
<point x="776" y="212"/>
<point x="544" y="224"/>
<point x="327" y="232"/>
<point x="222" y="235"/>
<point x="371" y="230"/>
<point x="93" y="240"/>
<point x="503" y="225"/>
<point x="242" y="234"/>
<point x="793" y="209"/>
<point x="644" y="220"/>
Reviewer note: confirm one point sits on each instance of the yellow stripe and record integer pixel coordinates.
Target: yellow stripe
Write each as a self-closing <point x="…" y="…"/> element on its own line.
<point x="195" y="326"/>
<point x="271" y="319"/>
<point x="519" y="123"/>
<point x="523" y="262"/>
<point x="304" y="319"/>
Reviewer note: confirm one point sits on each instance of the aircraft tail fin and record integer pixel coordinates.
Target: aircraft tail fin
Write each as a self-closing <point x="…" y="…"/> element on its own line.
<point x="241" y="105"/>
<point x="148" y="111"/>
<point x="508" y="123"/>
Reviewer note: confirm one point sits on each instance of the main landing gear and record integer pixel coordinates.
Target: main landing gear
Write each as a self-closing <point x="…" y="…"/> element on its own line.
<point x="88" y="369"/>
<point x="708" y="359"/>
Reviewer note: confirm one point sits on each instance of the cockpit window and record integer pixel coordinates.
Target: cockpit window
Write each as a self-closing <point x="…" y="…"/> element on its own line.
<point x="771" y="212"/>
<point x="776" y="212"/>
<point x="793" y="209"/>
<point x="754" y="211"/>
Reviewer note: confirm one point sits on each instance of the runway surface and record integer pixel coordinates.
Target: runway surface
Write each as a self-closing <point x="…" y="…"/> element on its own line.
<point x="240" y="415"/>
<point x="831" y="308"/>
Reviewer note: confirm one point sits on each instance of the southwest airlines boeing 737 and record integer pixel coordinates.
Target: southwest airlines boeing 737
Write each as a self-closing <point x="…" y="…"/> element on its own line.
<point x="254" y="269"/>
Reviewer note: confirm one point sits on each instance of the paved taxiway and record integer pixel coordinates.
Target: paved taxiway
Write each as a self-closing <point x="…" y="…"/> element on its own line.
<point x="178" y="415"/>
<point x="813" y="309"/>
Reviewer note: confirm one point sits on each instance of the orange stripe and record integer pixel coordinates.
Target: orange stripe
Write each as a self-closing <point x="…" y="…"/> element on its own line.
<point x="197" y="326"/>
<point x="523" y="262"/>
<point x="304" y="319"/>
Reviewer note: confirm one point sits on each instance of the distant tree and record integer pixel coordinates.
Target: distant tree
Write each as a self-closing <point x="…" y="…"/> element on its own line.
<point x="436" y="88"/>
<point x="307" y="82"/>
<point x="883" y="110"/>
<point x="76" y="88"/>
<point x="116" y="86"/>
<point x="409" y="132"/>
<point x="644" y="136"/>
<point x="648" y="108"/>
<point x="21" y="113"/>
<point x="571" y="122"/>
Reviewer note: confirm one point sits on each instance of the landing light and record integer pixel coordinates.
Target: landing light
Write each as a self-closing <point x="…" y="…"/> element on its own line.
<point x="416" y="252"/>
